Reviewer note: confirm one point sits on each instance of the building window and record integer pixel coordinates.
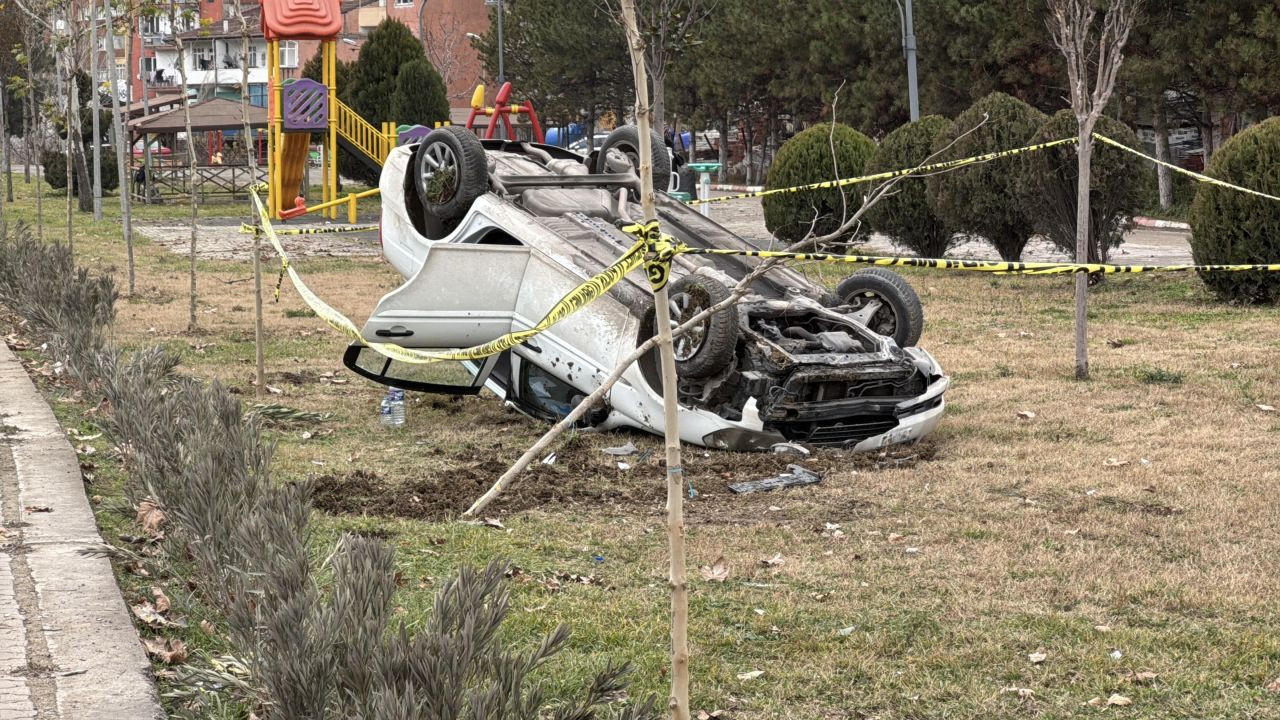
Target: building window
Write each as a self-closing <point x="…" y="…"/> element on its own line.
<point x="202" y="57"/>
<point x="146" y="65"/>
<point x="404" y="3"/>
<point x="258" y="94"/>
<point x="288" y="53"/>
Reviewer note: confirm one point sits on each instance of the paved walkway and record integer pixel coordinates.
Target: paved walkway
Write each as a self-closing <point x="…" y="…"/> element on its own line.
<point x="1141" y="246"/>
<point x="68" y="650"/>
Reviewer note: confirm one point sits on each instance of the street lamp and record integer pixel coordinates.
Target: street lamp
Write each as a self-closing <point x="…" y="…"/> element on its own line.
<point x="909" y="50"/>
<point x="502" y="75"/>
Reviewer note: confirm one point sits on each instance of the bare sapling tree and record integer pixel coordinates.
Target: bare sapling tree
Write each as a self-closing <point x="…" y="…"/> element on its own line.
<point x="1093" y="58"/>
<point x="192" y="322"/>
<point x="95" y="105"/>
<point x="35" y="128"/>
<point x="679" y="700"/>
<point x="119" y="120"/>
<point x="252" y="160"/>
<point x="4" y="149"/>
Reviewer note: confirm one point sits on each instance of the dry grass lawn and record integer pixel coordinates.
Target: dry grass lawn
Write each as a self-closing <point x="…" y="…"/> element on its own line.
<point x="1129" y="531"/>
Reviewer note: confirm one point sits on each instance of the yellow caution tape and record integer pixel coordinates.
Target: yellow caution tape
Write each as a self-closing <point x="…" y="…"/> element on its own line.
<point x="947" y="165"/>
<point x="248" y="229"/>
<point x="659" y="249"/>
<point x="989" y="266"/>
<point x="1202" y="178"/>
<point x="578" y="298"/>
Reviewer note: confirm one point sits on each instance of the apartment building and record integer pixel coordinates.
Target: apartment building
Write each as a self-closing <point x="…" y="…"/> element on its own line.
<point x="213" y="41"/>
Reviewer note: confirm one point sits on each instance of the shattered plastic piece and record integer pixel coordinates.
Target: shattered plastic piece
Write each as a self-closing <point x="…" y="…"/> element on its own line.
<point x="622" y="450"/>
<point x="795" y="475"/>
<point x="787" y="447"/>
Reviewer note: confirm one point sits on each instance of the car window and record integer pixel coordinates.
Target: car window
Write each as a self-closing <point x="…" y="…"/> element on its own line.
<point x="545" y="394"/>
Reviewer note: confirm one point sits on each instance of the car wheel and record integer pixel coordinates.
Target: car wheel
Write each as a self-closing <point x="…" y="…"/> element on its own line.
<point x="884" y="302"/>
<point x="626" y="140"/>
<point x="708" y="347"/>
<point x="451" y="172"/>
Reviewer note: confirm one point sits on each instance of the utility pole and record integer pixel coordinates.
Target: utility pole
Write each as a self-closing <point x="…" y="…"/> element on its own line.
<point x="909" y="50"/>
<point x="502" y="10"/>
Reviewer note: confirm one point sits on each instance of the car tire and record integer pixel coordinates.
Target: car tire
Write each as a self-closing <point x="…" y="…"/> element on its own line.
<point x="626" y="139"/>
<point x="708" y="348"/>
<point x="450" y="172"/>
<point x="901" y="317"/>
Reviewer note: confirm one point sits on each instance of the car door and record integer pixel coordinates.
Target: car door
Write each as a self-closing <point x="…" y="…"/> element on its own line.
<point x="463" y="295"/>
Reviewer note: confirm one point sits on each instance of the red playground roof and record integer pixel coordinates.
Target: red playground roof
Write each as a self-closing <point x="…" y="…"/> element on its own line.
<point x="301" y="19"/>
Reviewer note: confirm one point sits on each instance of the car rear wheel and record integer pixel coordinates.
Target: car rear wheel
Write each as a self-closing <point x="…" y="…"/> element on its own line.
<point x="626" y="140"/>
<point x="884" y="302"/>
<point x="451" y="172"/>
<point x="708" y="347"/>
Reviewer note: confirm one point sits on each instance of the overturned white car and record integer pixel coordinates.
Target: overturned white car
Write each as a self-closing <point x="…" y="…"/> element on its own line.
<point x="491" y="234"/>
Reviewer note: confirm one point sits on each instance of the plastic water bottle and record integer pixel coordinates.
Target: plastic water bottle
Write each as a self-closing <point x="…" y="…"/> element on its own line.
<point x="391" y="412"/>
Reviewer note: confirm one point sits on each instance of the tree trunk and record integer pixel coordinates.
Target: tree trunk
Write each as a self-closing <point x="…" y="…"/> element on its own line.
<point x="122" y="148"/>
<point x="95" y="104"/>
<point x="659" y="100"/>
<point x="192" y="322"/>
<point x="259" y="333"/>
<point x="679" y="700"/>
<point x="72" y="109"/>
<point x="37" y="141"/>
<point x="1164" y="176"/>
<point x="1084" y="153"/>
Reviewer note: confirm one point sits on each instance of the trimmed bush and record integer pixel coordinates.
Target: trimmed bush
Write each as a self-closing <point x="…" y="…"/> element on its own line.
<point x="981" y="199"/>
<point x="904" y="214"/>
<point x="1119" y="182"/>
<point x="55" y="170"/>
<point x="807" y="158"/>
<point x="1230" y="227"/>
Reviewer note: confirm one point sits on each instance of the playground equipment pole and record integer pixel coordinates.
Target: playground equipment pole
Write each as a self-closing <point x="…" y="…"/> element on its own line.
<point x="274" y="201"/>
<point x="330" y="155"/>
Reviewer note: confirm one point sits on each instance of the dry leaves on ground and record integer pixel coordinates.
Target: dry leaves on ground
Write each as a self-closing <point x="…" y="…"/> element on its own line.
<point x="169" y="651"/>
<point x="162" y="600"/>
<point x="717" y="571"/>
<point x="750" y="674"/>
<point x="1116" y="700"/>
<point x="1037" y="657"/>
<point x="774" y="561"/>
<point x="150" y="517"/>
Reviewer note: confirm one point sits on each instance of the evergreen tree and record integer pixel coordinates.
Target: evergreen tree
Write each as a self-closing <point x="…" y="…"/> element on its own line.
<point x="389" y="48"/>
<point x="420" y="97"/>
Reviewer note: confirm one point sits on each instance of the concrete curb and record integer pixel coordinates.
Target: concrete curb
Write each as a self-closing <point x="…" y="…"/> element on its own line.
<point x="1146" y="222"/>
<point x="721" y="187"/>
<point x="68" y="649"/>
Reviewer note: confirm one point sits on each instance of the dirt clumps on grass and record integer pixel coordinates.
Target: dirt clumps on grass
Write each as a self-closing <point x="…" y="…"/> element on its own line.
<point x="582" y="477"/>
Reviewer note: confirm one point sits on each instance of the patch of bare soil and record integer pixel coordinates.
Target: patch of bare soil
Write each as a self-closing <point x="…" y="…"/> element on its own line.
<point x="584" y="478"/>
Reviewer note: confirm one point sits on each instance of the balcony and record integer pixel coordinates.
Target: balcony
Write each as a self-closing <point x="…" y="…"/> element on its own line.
<point x="225" y="76"/>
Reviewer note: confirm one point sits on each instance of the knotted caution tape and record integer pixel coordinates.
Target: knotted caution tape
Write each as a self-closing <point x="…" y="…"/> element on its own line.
<point x="659" y="249"/>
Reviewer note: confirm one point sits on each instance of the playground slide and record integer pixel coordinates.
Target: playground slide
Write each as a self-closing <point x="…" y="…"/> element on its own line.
<point x="293" y="162"/>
